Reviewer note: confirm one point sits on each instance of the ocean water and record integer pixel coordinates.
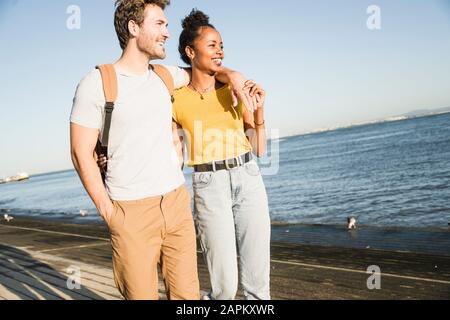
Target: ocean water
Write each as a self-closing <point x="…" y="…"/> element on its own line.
<point x="386" y="174"/>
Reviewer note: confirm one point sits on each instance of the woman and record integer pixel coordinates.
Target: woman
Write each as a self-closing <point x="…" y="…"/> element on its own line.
<point x="230" y="200"/>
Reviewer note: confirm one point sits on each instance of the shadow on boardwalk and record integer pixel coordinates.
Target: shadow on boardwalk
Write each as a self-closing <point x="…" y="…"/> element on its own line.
<point x="25" y="278"/>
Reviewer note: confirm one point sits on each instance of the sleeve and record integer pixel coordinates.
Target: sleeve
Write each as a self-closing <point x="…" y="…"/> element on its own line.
<point x="178" y="75"/>
<point x="88" y="103"/>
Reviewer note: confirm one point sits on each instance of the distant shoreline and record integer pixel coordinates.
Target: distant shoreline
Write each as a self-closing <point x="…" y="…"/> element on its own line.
<point x="367" y="123"/>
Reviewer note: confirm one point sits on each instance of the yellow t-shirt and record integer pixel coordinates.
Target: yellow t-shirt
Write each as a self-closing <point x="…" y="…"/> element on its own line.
<point x="214" y="129"/>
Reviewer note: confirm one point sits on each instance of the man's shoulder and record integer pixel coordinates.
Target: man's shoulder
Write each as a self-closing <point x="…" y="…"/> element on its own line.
<point x="91" y="84"/>
<point x="92" y="77"/>
<point x="178" y="74"/>
<point x="171" y="68"/>
<point x="174" y="71"/>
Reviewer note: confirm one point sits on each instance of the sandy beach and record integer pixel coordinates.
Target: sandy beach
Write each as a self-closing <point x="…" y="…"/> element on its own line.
<point x="39" y="260"/>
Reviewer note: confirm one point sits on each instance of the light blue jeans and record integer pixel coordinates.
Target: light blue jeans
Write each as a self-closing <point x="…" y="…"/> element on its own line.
<point x="232" y="217"/>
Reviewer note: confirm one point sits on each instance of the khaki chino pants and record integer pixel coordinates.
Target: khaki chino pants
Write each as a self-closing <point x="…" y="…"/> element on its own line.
<point x="152" y="231"/>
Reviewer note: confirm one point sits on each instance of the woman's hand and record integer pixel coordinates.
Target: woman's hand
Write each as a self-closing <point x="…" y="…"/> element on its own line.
<point x="256" y="92"/>
<point x="254" y="123"/>
<point x="240" y="91"/>
<point x="102" y="161"/>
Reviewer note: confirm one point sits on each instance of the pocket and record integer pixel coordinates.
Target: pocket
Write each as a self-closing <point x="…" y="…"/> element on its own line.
<point x="113" y="215"/>
<point x="252" y="169"/>
<point x="201" y="180"/>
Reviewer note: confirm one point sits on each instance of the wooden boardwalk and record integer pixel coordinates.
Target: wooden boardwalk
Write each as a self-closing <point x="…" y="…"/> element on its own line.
<point x="39" y="260"/>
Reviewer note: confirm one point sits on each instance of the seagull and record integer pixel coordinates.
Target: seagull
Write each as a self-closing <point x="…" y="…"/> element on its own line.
<point x="7" y="217"/>
<point x="351" y="223"/>
<point x="84" y="213"/>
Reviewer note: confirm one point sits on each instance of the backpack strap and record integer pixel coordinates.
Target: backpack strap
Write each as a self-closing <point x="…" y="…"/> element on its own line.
<point x="166" y="77"/>
<point x="109" y="79"/>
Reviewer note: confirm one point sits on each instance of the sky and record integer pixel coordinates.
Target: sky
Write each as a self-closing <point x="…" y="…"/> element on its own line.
<point x="319" y="62"/>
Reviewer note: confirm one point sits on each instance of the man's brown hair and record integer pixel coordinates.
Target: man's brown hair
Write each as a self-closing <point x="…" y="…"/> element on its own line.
<point x="127" y="10"/>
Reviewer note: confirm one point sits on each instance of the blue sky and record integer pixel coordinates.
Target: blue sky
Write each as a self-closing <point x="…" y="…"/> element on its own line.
<point x="320" y="64"/>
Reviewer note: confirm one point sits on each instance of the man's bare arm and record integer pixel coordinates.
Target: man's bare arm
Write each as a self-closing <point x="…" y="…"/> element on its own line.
<point x="83" y="141"/>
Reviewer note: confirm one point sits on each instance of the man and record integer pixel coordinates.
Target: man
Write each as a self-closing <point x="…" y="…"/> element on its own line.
<point x="145" y="203"/>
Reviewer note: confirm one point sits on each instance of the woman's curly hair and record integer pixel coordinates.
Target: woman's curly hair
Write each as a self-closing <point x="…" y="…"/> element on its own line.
<point x="192" y="24"/>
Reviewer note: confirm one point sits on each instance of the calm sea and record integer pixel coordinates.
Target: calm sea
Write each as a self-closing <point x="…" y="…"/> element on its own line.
<point x="386" y="174"/>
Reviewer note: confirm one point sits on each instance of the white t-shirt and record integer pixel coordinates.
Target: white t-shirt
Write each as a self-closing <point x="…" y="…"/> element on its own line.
<point x="142" y="161"/>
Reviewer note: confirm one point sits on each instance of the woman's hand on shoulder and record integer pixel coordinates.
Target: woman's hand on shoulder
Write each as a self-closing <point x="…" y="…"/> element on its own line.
<point x="256" y="92"/>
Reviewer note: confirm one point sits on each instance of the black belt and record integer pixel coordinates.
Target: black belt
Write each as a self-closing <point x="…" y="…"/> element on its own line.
<point x="224" y="164"/>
